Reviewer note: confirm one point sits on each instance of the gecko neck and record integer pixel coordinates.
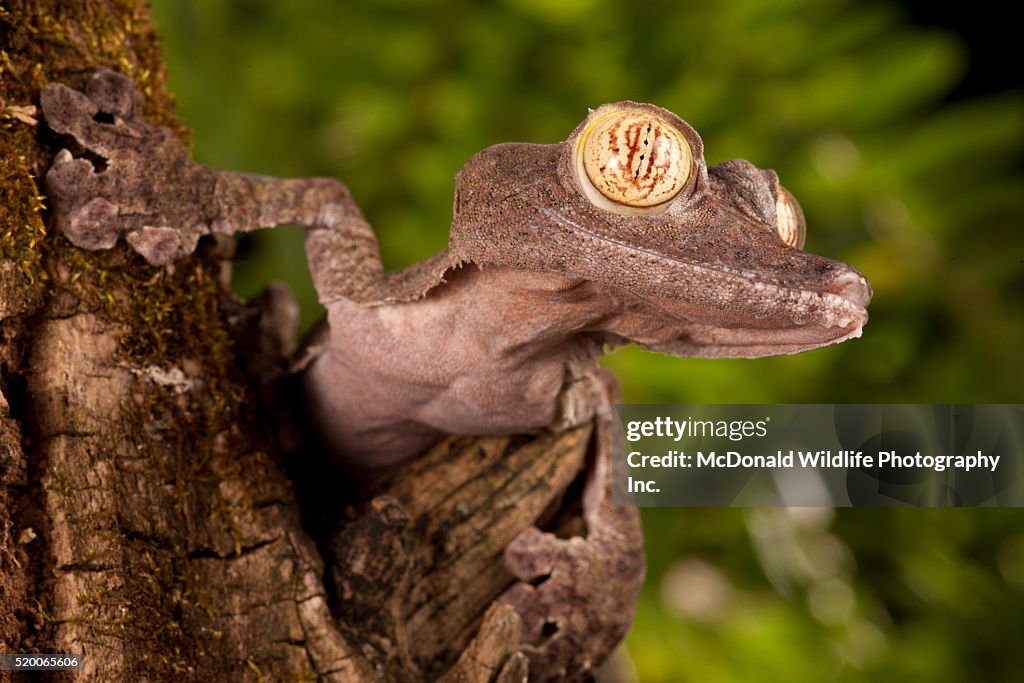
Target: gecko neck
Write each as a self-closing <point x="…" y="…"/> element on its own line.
<point x="492" y="351"/>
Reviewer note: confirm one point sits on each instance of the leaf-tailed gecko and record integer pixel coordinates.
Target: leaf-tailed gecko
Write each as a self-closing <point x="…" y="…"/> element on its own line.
<point x="557" y="254"/>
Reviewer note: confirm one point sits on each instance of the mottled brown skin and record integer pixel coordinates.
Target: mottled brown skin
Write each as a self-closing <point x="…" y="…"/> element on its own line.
<point x="501" y="332"/>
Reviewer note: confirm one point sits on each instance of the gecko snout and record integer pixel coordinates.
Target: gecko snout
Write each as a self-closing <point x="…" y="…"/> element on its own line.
<point x="852" y="286"/>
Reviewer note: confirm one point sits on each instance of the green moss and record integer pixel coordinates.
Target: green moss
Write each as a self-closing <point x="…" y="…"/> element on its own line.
<point x="168" y="317"/>
<point x="22" y="230"/>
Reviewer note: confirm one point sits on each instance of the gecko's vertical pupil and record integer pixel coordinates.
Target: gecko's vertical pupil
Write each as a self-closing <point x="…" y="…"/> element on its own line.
<point x="647" y="134"/>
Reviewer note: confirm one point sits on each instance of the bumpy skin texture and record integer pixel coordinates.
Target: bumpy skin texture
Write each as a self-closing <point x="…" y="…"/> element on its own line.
<point x="500" y="333"/>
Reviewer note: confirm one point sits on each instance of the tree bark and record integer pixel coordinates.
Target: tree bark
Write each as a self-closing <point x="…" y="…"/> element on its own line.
<point x="148" y="519"/>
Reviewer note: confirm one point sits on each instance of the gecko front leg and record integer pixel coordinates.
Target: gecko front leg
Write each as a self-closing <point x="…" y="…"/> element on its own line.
<point x="138" y="181"/>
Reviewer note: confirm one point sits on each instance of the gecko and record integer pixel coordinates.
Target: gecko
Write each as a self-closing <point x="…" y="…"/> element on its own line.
<point x="557" y="254"/>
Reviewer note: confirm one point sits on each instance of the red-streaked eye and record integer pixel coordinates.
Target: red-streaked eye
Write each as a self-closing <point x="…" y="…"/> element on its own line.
<point x="632" y="162"/>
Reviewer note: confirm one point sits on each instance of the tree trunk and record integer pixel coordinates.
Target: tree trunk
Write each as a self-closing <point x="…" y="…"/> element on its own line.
<point x="148" y="519"/>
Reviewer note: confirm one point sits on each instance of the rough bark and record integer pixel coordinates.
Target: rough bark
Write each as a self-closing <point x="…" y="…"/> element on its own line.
<point x="148" y="520"/>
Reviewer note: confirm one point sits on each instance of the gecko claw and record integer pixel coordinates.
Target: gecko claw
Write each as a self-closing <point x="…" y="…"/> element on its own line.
<point x="62" y="157"/>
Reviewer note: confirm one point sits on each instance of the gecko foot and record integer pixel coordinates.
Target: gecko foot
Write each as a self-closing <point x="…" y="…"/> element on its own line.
<point x="577" y="596"/>
<point x="130" y="178"/>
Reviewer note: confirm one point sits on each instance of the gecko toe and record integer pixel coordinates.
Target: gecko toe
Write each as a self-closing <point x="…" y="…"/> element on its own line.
<point x="115" y="94"/>
<point x="161" y="245"/>
<point x="533" y="553"/>
<point x="99" y="130"/>
<point x="65" y="108"/>
<point x="93" y="226"/>
<point x="68" y="180"/>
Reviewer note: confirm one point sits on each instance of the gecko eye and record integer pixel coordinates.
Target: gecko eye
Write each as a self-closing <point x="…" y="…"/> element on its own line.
<point x="632" y="162"/>
<point x="789" y="219"/>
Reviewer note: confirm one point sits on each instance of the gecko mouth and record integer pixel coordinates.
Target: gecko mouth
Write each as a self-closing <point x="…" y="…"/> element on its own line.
<point x="707" y="341"/>
<point x="813" y="319"/>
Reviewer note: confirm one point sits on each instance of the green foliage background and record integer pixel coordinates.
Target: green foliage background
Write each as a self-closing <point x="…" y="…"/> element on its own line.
<point x="842" y="99"/>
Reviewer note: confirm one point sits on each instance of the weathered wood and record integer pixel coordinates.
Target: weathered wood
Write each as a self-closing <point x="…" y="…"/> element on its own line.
<point x="492" y="655"/>
<point x="425" y="561"/>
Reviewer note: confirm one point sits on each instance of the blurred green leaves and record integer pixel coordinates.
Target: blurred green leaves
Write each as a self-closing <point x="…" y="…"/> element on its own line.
<point x="842" y="98"/>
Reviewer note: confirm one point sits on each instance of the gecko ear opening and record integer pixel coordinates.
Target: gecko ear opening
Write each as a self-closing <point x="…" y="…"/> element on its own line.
<point x="632" y="162"/>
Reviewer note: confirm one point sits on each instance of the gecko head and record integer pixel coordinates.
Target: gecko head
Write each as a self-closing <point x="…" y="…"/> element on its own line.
<point x="706" y="261"/>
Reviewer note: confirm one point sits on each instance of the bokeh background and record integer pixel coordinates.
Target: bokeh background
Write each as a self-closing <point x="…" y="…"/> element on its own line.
<point x="901" y="139"/>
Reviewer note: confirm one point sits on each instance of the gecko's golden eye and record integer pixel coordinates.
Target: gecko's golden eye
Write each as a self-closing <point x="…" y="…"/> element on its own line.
<point x="632" y="162"/>
<point x="789" y="219"/>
